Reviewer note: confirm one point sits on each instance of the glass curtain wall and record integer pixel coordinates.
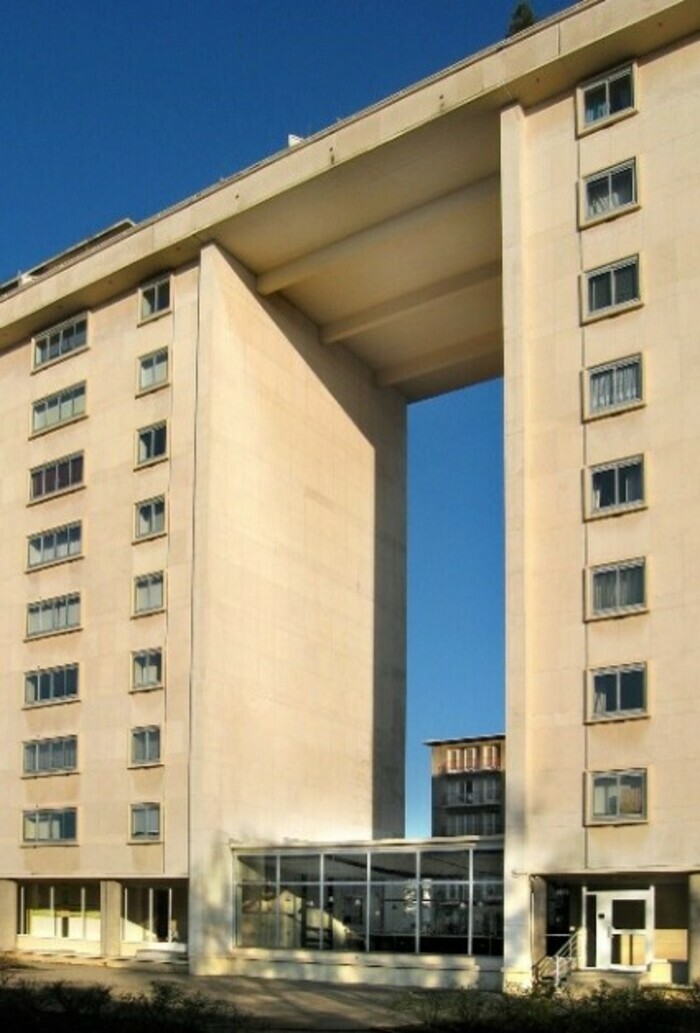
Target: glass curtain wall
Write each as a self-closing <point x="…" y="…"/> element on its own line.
<point x="435" y="900"/>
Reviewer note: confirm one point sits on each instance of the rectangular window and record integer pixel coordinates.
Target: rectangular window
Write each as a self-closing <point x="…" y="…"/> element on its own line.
<point x="618" y="588"/>
<point x="53" y="685"/>
<point x="55" y="825"/>
<point x="61" y="407"/>
<point x="455" y="760"/>
<point x="50" y="616"/>
<point x="153" y="370"/>
<point x="618" y="691"/>
<point x="610" y="192"/>
<point x="614" y="386"/>
<point x="155" y="298"/>
<point x="46" y="756"/>
<point x="145" y="821"/>
<point x="617" y="486"/>
<point x="145" y="745"/>
<point x="56" y="476"/>
<point x="608" y="97"/>
<point x="152" y="443"/>
<point x="618" y="796"/>
<point x="147" y="669"/>
<point x="472" y="758"/>
<point x="491" y="755"/>
<point x="55" y="545"/>
<point x="148" y="592"/>
<point x="60" y="340"/>
<point x="150" y="517"/>
<point x="612" y="287"/>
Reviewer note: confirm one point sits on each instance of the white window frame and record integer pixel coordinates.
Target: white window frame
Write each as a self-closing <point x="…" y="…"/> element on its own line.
<point x="53" y="756"/>
<point x="620" y="713"/>
<point x="149" y="581"/>
<point x="615" y="367"/>
<point x="145" y="452"/>
<point x="55" y="614"/>
<point x="148" y="654"/>
<point x="71" y="468"/>
<point x="161" y="370"/>
<point x="145" y="740"/>
<point x="54" y="818"/>
<point x="146" y="506"/>
<point x="597" y="512"/>
<point x="589" y="218"/>
<point x="604" y="81"/>
<point x="618" y="817"/>
<point x="67" y="338"/>
<point x="153" y="830"/>
<point x="153" y="301"/>
<point x="59" y="409"/>
<point x="47" y="545"/>
<point x="619" y="609"/>
<point x="611" y="271"/>
<point x="47" y="680"/>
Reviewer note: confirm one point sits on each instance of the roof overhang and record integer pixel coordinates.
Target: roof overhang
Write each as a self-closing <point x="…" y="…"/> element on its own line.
<point x="385" y="230"/>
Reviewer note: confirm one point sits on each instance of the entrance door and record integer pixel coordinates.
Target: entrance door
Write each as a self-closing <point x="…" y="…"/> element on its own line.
<point x="624" y="926"/>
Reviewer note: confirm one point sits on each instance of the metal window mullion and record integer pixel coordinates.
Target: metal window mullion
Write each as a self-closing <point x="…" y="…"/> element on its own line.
<point x="419" y="900"/>
<point x="52" y="906"/>
<point x="470" y="902"/>
<point x="368" y="898"/>
<point x="150" y="911"/>
<point x="170" y="915"/>
<point x="278" y="917"/>
<point x="322" y="900"/>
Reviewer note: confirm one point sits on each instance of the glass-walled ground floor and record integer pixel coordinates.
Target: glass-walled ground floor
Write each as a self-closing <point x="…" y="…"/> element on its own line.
<point x="626" y="923"/>
<point x="102" y="916"/>
<point x="433" y="898"/>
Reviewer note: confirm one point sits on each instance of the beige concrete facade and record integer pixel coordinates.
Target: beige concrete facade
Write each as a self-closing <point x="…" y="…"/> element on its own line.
<point x="233" y="599"/>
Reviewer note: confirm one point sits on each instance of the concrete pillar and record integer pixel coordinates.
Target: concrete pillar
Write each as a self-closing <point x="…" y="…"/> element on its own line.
<point x="8" y="914"/>
<point x="538" y="888"/>
<point x="111" y="920"/>
<point x="693" y="927"/>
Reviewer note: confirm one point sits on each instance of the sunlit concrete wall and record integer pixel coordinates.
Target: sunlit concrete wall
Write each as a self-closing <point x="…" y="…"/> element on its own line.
<point x="549" y="448"/>
<point x="298" y="592"/>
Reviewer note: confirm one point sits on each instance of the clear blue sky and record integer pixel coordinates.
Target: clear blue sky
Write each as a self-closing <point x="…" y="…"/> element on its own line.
<point x="114" y="109"/>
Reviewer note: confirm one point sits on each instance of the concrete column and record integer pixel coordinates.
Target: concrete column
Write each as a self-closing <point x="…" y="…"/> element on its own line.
<point x="8" y="914"/>
<point x="539" y="917"/>
<point x="110" y="913"/>
<point x="517" y="960"/>
<point x="694" y="927"/>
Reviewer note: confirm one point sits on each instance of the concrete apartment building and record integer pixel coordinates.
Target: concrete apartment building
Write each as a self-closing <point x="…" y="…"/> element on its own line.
<point x="467" y="778"/>
<point x="203" y="564"/>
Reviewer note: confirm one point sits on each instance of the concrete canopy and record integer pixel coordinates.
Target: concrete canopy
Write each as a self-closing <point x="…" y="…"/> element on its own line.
<point x="385" y="229"/>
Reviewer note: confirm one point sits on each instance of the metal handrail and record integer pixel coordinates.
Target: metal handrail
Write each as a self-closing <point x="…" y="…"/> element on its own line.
<point x="560" y="964"/>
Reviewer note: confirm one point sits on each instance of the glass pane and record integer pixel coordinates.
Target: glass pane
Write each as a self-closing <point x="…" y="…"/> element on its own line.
<point x="346" y="867"/>
<point x="452" y="865"/>
<point x="605" y="693"/>
<point x="620" y="93"/>
<point x="631" y="586"/>
<point x="300" y="868"/>
<point x="626" y="283"/>
<point x="628" y="914"/>
<point x="488" y="864"/>
<point x="346" y="911"/>
<point x="393" y="914"/>
<point x="622" y="187"/>
<point x="604" y="489"/>
<point x="604" y="590"/>
<point x="392" y="866"/>
<point x="597" y="197"/>
<point x="256" y="868"/>
<point x="632" y="689"/>
<point x="632" y="795"/>
<point x="630" y="483"/>
<point x="599" y="291"/>
<point x="595" y="103"/>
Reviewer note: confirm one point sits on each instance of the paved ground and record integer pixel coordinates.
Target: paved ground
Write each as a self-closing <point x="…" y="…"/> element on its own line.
<point x="280" y="1004"/>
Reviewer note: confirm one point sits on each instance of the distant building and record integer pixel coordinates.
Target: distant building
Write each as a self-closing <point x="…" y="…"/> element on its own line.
<point x="467" y="782"/>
